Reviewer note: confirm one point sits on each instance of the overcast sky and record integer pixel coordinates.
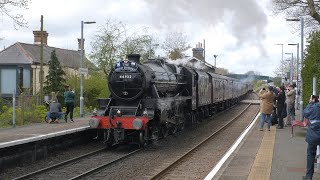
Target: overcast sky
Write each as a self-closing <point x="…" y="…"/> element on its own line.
<point x="241" y="32"/>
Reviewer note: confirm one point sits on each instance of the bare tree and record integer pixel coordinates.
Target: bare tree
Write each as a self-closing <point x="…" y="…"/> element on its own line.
<point x="114" y="41"/>
<point x="284" y="68"/>
<point x="175" y="44"/>
<point x="5" y="9"/>
<point x="300" y="8"/>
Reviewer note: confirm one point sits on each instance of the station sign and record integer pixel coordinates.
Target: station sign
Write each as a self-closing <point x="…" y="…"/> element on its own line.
<point x="84" y="71"/>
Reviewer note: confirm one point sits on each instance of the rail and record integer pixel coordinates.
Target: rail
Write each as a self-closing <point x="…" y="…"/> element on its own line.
<point x="162" y="172"/>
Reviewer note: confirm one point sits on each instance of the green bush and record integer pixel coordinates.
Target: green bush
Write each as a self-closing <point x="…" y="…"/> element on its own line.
<point x="311" y="66"/>
<point x="33" y="114"/>
<point x="95" y="86"/>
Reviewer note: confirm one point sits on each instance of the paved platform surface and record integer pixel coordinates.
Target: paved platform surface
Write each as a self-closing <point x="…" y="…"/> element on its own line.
<point x="273" y="155"/>
<point x="34" y="132"/>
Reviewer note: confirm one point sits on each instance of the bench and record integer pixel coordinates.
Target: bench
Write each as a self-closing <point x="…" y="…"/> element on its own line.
<point x="303" y="123"/>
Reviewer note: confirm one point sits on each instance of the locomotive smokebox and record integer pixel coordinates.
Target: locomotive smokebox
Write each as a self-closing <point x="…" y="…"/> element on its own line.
<point x="134" y="57"/>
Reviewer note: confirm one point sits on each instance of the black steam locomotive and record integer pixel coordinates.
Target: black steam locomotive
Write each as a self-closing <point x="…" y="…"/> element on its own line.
<point x="156" y="98"/>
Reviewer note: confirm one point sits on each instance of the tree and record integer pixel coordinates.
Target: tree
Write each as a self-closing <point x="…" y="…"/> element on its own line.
<point x="277" y="81"/>
<point x="311" y="65"/>
<point x="284" y="68"/>
<point x="299" y="8"/>
<point x="175" y="44"/>
<point x="55" y="79"/>
<point x="18" y="19"/>
<point x="222" y="71"/>
<point x="253" y="73"/>
<point x="114" y="41"/>
<point x="95" y="86"/>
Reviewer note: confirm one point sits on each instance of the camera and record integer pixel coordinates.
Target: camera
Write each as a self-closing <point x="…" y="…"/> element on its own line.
<point x="315" y="98"/>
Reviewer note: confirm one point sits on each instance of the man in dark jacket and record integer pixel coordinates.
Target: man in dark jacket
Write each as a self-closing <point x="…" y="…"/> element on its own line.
<point x="281" y="99"/>
<point x="55" y="110"/>
<point x="69" y="100"/>
<point x="312" y="112"/>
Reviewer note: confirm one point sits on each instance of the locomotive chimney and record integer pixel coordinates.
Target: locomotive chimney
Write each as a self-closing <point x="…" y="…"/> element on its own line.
<point x="134" y="57"/>
<point x="198" y="52"/>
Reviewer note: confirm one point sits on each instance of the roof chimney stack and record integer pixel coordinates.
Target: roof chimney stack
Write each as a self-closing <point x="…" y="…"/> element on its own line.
<point x="37" y="38"/>
<point x="198" y="51"/>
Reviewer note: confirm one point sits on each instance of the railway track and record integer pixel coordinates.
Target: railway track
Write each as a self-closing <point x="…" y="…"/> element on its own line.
<point x="60" y="169"/>
<point x="174" y="171"/>
<point x="141" y="166"/>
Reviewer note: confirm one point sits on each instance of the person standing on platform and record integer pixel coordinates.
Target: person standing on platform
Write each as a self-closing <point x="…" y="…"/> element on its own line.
<point x="312" y="112"/>
<point x="281" y="100"/>
<point x="290" y="100"/>
<point x="69" y="97"/>
<point x="266" y="108"/>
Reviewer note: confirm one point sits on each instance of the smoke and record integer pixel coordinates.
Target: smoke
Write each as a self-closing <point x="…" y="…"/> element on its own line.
<point x="186" y="62"/>
<point x="182" y="61"/>
<point x="244" y="19"/>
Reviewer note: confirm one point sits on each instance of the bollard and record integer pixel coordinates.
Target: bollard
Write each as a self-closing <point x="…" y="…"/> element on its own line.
<point x="14" y="109"/>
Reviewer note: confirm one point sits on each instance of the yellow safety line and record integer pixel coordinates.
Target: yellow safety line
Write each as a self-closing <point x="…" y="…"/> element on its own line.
<point x="261" y="167"/>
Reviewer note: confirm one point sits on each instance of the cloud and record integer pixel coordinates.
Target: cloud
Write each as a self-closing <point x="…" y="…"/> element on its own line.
<point x="244" y="19"/>
<point x="239" y="31"/>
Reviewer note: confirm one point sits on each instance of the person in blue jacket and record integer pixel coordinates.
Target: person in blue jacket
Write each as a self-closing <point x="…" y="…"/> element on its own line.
<point x="312" y="112"/>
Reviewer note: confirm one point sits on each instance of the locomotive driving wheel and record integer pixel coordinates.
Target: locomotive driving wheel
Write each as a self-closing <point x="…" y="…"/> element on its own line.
<point x="143" y="142"/>
<point x="155" y="133"/>
<point x="165" y="130"/>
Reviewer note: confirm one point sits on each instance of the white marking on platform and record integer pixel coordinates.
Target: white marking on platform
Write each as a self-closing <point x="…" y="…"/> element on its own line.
<point x="41" y="137"/>
<point x="230" y="151"/>
<point x="28" y="134"/>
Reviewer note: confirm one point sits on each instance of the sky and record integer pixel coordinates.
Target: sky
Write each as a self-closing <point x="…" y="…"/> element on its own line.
<point x="243" y="33"/>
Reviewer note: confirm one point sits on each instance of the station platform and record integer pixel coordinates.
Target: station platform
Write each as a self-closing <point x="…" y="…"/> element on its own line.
<point x="35" y="132"/>
<point x="264" y="155"/>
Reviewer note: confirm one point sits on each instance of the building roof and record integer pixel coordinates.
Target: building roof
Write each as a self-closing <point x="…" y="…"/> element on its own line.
<point x="23" y="53"/>
<point x="202" y="63"/>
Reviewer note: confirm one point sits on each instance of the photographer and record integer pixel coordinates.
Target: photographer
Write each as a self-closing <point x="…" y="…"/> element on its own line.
<point x="312" y="112"/>
<point x="266" y="108"/>
<point x="281" y="99"/>
<point x="290" y="99"/>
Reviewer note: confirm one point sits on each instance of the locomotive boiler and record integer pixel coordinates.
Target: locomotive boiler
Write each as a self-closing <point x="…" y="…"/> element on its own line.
<point x="153" y="99"/>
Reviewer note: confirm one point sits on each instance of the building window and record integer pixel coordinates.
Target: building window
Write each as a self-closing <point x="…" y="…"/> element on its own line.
<point x="8" y="81"/>
<point x="26" y="77"/>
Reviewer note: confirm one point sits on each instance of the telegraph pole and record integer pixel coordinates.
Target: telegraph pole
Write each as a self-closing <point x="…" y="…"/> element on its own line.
<point x="41" y="61"/>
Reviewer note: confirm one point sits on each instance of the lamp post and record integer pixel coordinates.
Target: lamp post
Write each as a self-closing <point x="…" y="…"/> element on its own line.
<point x="302" y="59"/>
<point x="282" y="65"/>
<point x="81" y="65"/>
<point x="297" y="74"/>
<point x="215" y="60"/>
<point x="291" y="67"/>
